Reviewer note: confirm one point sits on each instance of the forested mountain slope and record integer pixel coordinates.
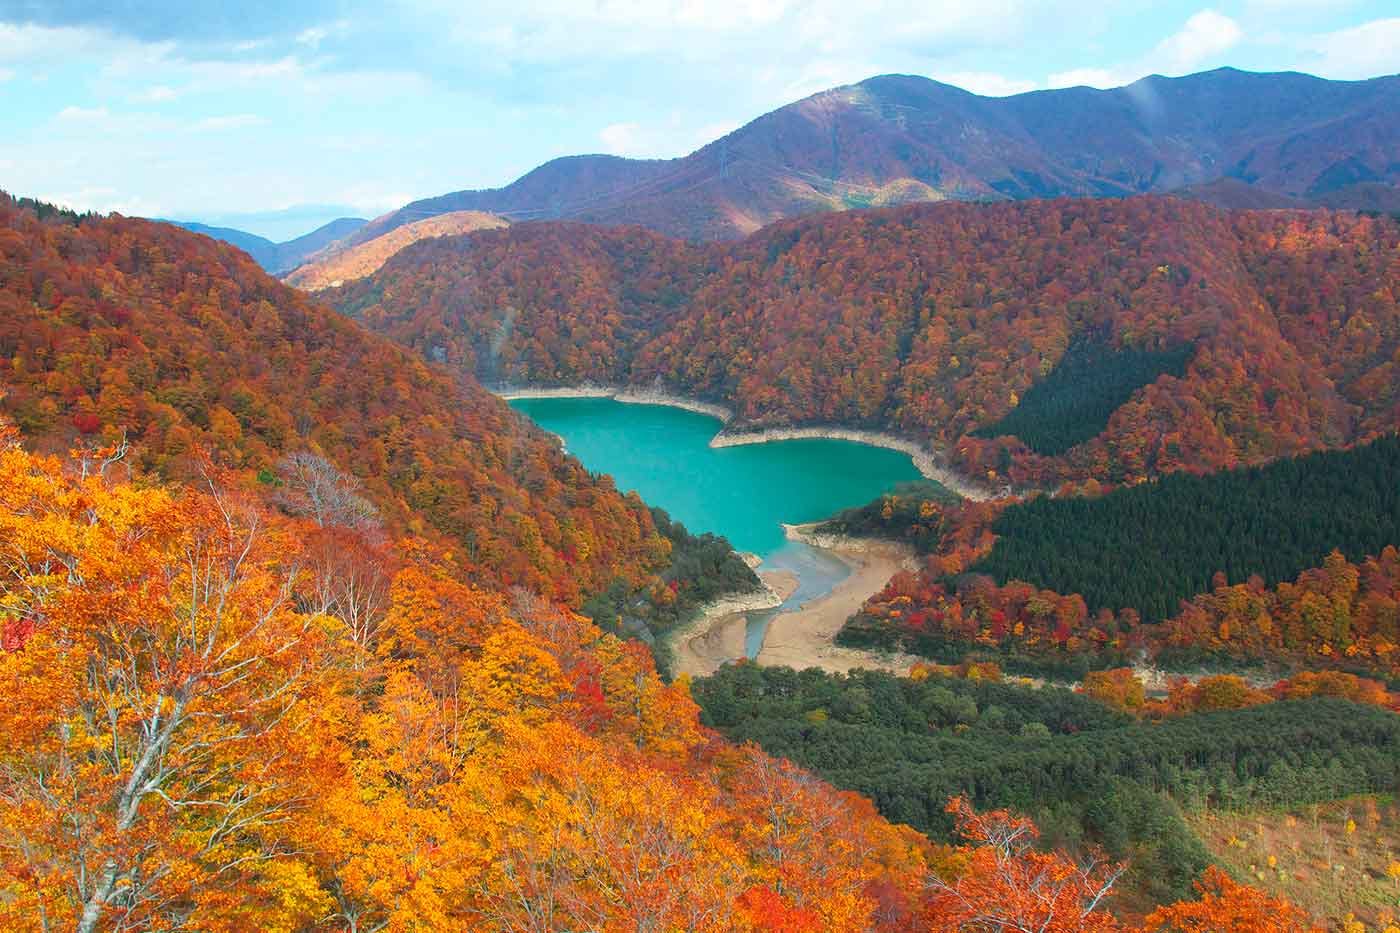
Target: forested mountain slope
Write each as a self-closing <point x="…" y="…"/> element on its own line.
<point x="1234" y="137"/>
<point x="1293" y="564"/>
<point x="114" y="327"/>
<point x="1228" y="337"/>
<point x="195" y="738"/>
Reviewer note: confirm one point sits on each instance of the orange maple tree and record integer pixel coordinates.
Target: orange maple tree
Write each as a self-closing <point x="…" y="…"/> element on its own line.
<point x="1008" y="885"/>
<point x="1226" y="906"/>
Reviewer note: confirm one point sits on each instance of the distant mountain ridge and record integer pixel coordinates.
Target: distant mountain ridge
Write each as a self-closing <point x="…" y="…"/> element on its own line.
<point x="1222" y="136"/>
<point x="277" y="258"/>
<point x="340" y="262"/>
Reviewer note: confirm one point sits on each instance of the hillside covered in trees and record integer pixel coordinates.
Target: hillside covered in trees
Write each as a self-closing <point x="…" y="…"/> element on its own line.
<point x="1294" y="562"/>
<point x="1149" y="547"/>
<point x="116" y="328"/>
<point x="1229" y="337"/>
<point x="195" y="737"/>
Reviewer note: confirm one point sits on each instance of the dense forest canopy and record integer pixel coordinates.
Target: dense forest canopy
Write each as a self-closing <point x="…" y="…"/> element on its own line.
<point x="270" y="688"/>
<point x="125" y="328"/>
<point x="1229" y="337"/>
<point x="1150" y="547"/>
<point x="1292" y="563"/>
<point x="195" y="738"/>
<point x="1075" y="400"/>
<point x="913" y="513"/>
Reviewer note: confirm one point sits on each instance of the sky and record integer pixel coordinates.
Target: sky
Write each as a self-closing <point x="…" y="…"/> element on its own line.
<point x="276" y="116"/>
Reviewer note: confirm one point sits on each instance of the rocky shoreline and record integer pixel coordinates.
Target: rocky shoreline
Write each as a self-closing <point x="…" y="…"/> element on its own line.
<point x="809" y="535"/>
<point x="587" y="390"/>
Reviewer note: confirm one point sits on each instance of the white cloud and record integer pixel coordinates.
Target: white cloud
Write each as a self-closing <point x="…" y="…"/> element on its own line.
<point x="545" y="28"/>
<point x="73" y="114"/>
<point x="815" y="32"/>
<point x="1205" y="36"/>
<point x="666" y="140"/>
<point x="622" y="139"/>
<point x="1306" y="6"/>
<point x="1201" y="41"/>
<point x="986" y="83"/>
<point x="313" y="36"/>
<point x="6" y="74"/>
<point x="1360" y="52"/>
<point x="41" y="45"/>
<point x="712" y="131"/>
<point x="103" y="200"/>
<point x="232" y="121"/>
<point x="370" y="200"/>
<point x="159" y="94"/>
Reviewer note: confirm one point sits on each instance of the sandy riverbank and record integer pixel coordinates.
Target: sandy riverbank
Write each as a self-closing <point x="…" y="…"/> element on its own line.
<point x="805" y="637"/>
<point x="717" y="636"/>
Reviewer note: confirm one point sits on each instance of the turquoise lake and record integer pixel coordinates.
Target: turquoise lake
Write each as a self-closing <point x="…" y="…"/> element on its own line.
<point x="745" y="493"/>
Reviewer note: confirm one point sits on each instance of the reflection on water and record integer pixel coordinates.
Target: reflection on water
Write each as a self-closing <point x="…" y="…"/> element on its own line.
<point x="817" y="572"/>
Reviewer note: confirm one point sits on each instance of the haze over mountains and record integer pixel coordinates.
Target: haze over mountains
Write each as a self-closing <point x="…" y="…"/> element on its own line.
<point x="279" y="257"/>
<point x="1228" y="136"/>
<point x="340" y="262"/>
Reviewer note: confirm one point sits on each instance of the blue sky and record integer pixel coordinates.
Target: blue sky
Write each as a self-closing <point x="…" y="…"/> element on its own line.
<point x="236" y="113"/>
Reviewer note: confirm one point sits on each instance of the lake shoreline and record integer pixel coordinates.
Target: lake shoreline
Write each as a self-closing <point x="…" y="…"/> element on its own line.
<point x="805" y="636"/>
<point x="925" y="460"/>
<point x="627" y="395"/>
<point x="922" y="457"/>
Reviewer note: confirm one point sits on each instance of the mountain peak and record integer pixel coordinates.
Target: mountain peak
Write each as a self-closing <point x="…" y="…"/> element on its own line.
<point x="894" y="138"/>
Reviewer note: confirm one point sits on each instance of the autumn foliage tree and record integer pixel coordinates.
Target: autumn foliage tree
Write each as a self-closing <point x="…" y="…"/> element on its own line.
<point x="157" y="702"/>
<point x="1003" y="884"/>
<point x="112" y="327"/>
<point x="1226" y="906"/>
<point x="1008" y="886"/>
